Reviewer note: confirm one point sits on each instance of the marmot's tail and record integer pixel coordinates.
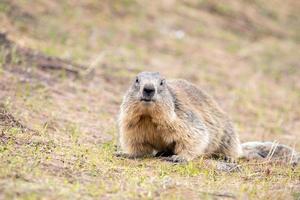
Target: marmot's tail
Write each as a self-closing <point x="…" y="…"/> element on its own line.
<point x="270" y="151"/>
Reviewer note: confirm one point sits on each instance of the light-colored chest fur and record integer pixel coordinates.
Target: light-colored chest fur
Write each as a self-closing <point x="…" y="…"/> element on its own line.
<point x="148" y="132"/>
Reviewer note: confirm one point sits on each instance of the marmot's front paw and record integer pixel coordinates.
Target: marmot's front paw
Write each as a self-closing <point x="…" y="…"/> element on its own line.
<point x="175" y="159"/>
<point x="164" y="154"/>
<point x="120" y="154"/>
<point x="125" y="155"/>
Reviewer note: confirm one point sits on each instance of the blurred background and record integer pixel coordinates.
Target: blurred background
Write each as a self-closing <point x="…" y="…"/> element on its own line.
<point x="64" y="65"/>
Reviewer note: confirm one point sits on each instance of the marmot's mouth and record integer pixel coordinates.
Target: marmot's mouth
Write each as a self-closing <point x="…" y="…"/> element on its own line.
<point x="147" y="100"/>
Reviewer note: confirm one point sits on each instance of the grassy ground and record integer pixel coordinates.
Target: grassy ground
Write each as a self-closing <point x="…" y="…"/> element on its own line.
<point x="58" y="125"/>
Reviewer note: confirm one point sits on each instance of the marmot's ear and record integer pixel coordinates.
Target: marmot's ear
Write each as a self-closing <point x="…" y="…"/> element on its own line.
<point x="162" y="81"/>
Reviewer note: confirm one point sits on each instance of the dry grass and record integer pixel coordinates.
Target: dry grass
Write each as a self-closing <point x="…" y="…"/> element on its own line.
<point x="58" y="130"/>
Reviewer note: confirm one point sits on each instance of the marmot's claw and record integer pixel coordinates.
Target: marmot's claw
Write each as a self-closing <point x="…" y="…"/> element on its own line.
<point x="125" y="155"/>
<point x="121" y="155"/>
<point x="175" y="159"/>
<point x="164" y="154"/>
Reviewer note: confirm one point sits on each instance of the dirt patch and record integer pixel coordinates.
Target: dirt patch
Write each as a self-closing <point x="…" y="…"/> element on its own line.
<point x="14" y="55"/>
<point x="7" y="120"/>
<point x="16" y="13"/>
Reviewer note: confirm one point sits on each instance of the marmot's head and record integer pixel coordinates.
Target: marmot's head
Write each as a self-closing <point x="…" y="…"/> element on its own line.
<point x="149" y="93"/>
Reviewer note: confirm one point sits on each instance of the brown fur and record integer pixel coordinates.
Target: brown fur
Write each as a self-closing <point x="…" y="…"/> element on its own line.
<point x="193" y="126"/>
<point x="183" y="122"/>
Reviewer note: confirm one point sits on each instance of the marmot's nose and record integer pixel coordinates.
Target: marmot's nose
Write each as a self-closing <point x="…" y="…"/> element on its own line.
<point x="148" y="91"/>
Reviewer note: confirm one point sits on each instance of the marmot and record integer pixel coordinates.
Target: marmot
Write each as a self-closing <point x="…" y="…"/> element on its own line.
<point x="178" y="121"/>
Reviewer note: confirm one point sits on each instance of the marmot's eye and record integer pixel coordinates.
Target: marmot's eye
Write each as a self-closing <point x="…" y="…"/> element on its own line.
<point x="162" y="82"/>
<point x="137" y="80"/>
